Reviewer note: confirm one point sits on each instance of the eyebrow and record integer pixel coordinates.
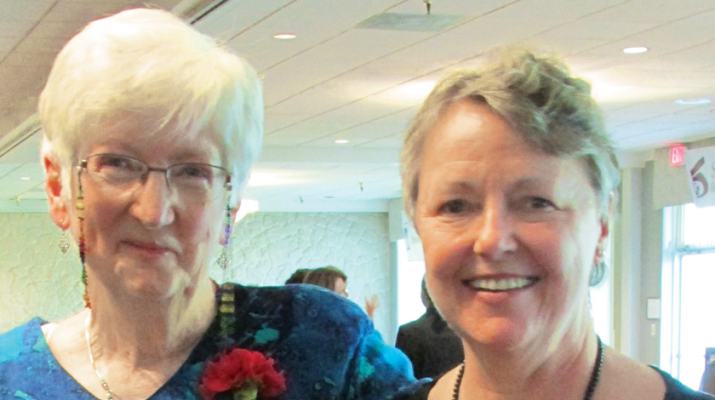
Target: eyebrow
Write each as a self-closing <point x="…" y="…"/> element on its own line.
<point x="182" y="157"/>
<point x="529" y="182"/>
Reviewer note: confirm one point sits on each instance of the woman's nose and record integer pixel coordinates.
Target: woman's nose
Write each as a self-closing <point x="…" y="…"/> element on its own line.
<point x="494" y="233"/>
<point x="153" y="204"/>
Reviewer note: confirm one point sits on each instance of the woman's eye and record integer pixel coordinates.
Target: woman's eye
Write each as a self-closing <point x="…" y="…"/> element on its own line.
<point x="454" y="207"/>
<point x="538" y="203"/>
<point x="195" y="171"/>
<point x="114" y="162"/>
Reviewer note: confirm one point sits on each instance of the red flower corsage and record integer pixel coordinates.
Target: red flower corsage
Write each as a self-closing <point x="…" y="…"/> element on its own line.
<point x="243" y="375"/>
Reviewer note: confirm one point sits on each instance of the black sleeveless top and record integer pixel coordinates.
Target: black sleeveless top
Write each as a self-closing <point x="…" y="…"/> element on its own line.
<point x="674" y="390"/>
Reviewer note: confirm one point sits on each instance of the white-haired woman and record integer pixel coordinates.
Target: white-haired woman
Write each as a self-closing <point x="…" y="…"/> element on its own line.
<point x="508" y="176"/>
<point x="149" y="133"/>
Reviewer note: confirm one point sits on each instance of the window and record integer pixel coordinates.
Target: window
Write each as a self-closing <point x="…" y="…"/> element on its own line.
<point x="688" y="274"/>
<point x="410" y="271"/>
<point x="601" y="304"/>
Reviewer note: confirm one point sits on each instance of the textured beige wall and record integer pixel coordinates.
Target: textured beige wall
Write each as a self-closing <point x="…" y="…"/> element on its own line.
<point x="36" y="279"/>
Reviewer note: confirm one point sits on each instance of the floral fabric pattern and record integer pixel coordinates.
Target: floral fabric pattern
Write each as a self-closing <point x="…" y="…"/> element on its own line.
<point x="324" y="345"/>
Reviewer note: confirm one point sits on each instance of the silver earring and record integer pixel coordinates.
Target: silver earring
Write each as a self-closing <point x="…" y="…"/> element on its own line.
<point x="223" y="261"/>
<point x="64" y="244"/>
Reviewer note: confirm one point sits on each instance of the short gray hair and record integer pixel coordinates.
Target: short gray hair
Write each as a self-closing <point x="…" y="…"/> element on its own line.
<point x="538" y="97"/>
<point x="152" y="66"/>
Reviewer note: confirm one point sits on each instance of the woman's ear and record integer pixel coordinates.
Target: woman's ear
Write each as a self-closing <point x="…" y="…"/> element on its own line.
<point x="53" y="187"/>
<point x="606" y="219"/>
<point x="602" y="240"/>
<point x="234" y="212"/>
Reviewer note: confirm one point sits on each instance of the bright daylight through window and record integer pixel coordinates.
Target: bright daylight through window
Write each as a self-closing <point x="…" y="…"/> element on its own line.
<point x="687" y="326"/>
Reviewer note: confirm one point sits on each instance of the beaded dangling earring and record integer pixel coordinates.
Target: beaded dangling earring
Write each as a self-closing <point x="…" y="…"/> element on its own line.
<point x="226" y="307"/>
<point x="82" y="249"/>
<point x="64" y="244"/>
<point x="225" y="261"/>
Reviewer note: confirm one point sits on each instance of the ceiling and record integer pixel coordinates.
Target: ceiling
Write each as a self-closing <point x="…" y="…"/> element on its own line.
<point x="357" y="70"/>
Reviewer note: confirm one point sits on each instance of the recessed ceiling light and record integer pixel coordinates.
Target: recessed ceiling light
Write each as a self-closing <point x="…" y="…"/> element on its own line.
<point x="342" y="141"/>
<point x="693" y="101"/>
<point x="635" y="50"/>
<point x="25" y="178"/>
<point x="284" y="36"/>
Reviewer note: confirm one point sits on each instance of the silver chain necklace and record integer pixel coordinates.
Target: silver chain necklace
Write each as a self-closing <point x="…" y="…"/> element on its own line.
<point x="110" y="396"/>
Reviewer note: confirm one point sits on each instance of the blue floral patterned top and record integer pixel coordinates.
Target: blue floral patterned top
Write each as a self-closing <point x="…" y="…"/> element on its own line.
<point x="325" y="346"/>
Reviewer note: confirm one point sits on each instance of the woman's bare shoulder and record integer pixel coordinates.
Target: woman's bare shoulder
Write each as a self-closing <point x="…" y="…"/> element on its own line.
<point x="66" y="338"/>
<point x="444" y="387"/>
<point x="624" y="378"/>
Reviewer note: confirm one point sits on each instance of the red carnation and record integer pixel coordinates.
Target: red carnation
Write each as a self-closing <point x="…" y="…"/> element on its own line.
<point x="245" y="374"/>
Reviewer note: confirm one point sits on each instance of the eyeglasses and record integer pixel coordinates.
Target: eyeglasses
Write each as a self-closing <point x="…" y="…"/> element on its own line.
<point x="190" y="181"/>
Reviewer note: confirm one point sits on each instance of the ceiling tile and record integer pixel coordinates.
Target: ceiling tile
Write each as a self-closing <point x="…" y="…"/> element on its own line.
<point x="653" y="11"/>
<point x="394" y="141"/>
<point x="81" y="12"/>
<point x="236" y="17"/>
<point x="307" y="20"/>
<point x="553" y="10"/>
<point x="335" y="81"/>
<point x="469" y="8"/>
<point x="20" y="11"/>
<point x="342" y="54"/>
<point x="11" y="185"/>
<point x="276" y="120"/>
<point x="6" y="168"/>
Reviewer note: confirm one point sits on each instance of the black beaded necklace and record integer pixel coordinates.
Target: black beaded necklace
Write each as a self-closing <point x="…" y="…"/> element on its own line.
<point x="595" y="374"/>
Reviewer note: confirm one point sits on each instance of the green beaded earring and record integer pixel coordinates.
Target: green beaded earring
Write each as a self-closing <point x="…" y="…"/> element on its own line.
<point x="226" y="307"/>
<point x="225" y="261"/>
<point x="80" y="215"/>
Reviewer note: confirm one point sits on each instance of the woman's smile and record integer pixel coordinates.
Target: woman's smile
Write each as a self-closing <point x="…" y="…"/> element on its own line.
<point x="498" y="290"/>
<point x="147" y="249"/>
<point x="505" y="284"/>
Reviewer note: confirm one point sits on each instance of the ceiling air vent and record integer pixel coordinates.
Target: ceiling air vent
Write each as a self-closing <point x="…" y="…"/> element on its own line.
<point x="411" y="22"/>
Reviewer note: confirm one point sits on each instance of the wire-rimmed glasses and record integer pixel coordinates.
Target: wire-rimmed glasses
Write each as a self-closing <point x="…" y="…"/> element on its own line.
<point x="192" y="182"/>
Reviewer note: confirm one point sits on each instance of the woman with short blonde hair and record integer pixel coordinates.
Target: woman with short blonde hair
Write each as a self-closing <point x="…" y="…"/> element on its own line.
<point x="509" y="178"/>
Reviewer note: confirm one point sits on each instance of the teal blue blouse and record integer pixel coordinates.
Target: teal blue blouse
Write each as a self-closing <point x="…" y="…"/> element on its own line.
<point x="325" y="345"/>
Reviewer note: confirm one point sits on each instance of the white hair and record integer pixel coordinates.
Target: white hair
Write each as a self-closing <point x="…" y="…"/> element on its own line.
<point x="150" y="65"/>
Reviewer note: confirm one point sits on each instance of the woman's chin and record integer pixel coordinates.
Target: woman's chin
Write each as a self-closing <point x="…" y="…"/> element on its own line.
<point x="153" y="286"/>
<point x="499" y="334"/>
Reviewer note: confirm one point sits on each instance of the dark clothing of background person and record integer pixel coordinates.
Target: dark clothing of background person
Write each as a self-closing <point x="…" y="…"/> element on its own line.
<point x="430" y="344"/>
<point x="707" y="384"/>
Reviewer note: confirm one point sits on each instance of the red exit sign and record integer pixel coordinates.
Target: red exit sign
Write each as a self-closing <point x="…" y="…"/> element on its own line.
<point x="677" y="155"/>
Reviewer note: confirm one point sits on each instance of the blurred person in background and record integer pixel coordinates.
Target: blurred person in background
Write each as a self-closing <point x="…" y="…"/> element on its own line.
<point x="429" y="343"/>
<point x="333" y="279"/>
